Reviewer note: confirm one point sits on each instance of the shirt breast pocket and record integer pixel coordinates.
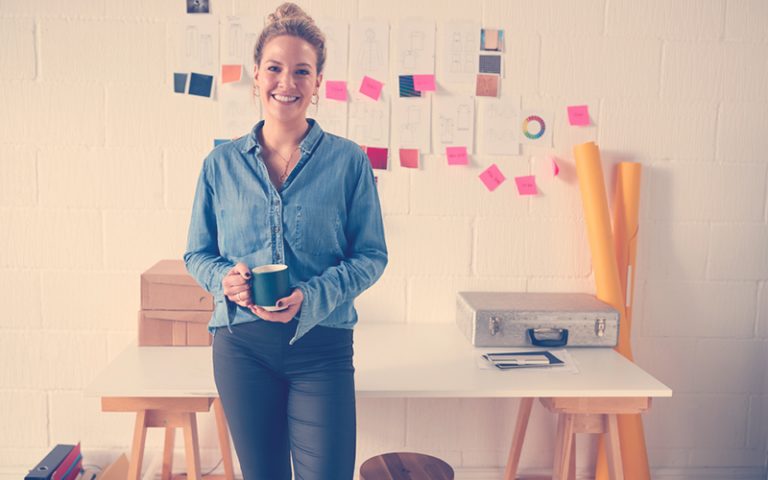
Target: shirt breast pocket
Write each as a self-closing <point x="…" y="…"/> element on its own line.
<point x="243" y="230"/>
<point x="318" y="231"/>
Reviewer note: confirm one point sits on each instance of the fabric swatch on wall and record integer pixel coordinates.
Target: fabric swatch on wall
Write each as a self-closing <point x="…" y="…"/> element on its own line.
<point x="490" y="64"/>
<point x="200" y="84"/>
<point x="407" y="88"/>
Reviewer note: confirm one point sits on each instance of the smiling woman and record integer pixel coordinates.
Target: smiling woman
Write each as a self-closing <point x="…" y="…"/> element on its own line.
<point x="287" y="193"/>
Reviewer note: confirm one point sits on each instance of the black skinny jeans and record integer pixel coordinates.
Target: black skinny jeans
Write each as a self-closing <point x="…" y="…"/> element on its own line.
<point x="284" y="401"/>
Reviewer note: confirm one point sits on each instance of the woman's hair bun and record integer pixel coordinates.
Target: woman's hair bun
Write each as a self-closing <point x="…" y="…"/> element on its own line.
<point x="288" y="10"/>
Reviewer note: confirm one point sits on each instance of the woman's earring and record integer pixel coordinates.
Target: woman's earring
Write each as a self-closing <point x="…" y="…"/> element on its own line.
<point x="315" y="99"/>
<point x="255" y="91"/>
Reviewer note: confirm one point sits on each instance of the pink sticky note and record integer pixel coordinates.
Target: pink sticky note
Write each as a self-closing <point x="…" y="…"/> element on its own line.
<point x="231" y="73"/>
<point x="409" y="157"/>
<point x="371" y="87"/>
<point x="578" y="115"/>
<point x="492" y="177"/>
<point x="526" y="185"/>
<point x="555" y="166"/>
<point x="456" y="155"/>
<point x="378" y="157"/>
<point x="336" y="90"/>
<point x="424" y="83"/>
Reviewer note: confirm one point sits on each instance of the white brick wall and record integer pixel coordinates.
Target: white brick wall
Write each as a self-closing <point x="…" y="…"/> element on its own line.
<point x="98" y="164"/>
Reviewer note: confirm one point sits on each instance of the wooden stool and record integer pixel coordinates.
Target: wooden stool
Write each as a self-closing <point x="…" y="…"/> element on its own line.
<point x="170" y="413"/>
<point x="405" y="466"/>
<point x="577" y="415"/>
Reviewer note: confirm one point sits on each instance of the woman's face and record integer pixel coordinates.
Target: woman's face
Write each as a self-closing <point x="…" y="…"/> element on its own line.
<point x="287" y="77"/>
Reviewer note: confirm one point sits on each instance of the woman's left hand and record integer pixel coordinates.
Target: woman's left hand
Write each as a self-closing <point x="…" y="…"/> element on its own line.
<point x="294" y="301"/>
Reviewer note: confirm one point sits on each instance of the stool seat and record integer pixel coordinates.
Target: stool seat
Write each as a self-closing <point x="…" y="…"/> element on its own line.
<point x="405" y="466"/>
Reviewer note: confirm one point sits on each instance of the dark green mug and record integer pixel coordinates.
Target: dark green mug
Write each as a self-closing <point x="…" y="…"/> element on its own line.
<point x="269" y="284"/>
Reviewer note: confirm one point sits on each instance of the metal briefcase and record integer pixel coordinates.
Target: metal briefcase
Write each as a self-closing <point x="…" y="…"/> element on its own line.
<point x="506" y="319"/>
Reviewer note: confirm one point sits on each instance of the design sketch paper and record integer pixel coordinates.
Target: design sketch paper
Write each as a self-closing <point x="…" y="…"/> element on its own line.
<point x="460" y="42"/>
<point x="239" y="111"/>
<point x="238" y="37"/>
<point x="453" y="122"/>
<point x="536" y="127"/>
<point x="369" y="50"/>
<point x="498" y="126"/>
<point x="415" y="47"/>
<point x="369" y="122"/>
<point x="331" y="115"/>
<point x="411" y="121"/>
<point x="194" y="46"/>
<point x="337" y="45"/>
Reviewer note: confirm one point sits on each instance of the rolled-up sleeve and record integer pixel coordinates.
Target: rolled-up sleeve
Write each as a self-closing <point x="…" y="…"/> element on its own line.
<point x="202" y="257"/>
<point x="365" y="257"/>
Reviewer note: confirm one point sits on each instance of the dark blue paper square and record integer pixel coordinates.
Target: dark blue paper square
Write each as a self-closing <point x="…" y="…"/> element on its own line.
<point x="200" y="84"/>
<point x="180" y="82"/>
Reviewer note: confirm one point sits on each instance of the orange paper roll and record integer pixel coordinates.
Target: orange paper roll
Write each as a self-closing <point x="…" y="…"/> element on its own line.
<point x="592" y="186"/>
<point x="626" y="209"/>
<point x="613" y="259"/>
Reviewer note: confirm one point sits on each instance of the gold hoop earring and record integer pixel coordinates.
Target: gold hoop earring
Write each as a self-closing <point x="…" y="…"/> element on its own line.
<point x="315" y="99"/>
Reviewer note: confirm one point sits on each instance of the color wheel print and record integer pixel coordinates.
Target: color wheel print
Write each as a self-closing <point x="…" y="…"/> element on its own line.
<point x="542" y="127"/>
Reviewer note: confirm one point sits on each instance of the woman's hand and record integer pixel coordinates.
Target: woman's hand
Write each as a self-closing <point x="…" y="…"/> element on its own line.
<point x="294" y="301"/>
<point x="237" y="285"/>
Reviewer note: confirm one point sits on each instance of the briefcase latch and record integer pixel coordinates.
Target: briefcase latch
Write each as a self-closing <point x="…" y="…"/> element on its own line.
<point x="600" y="327"/>
<point x="494" y="326"/>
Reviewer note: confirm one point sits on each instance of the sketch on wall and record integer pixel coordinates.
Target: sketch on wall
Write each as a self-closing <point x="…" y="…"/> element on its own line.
<point x="411" y="123"/>
<point x="460" y="45"/>
<point x="369" y="122"/>
<point x="368" y="51"/>
<point x="415" y="47"/>
<point x="331" y="115"/>
<point x="498" y="126"/>
<point x="337" y="45"/>
<point x="453" y="122"/>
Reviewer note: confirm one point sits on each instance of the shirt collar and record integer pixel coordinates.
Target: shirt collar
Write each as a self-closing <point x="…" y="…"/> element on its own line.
<point x="306" y="145"/>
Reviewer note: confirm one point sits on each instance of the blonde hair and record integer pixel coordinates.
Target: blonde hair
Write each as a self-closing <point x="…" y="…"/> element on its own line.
<point x="290" y="19"/>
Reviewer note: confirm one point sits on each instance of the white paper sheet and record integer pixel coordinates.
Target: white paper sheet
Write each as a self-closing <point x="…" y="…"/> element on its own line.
<point x="453" y="123"/>
<point x="411" y="122"/>
<point x="368" y="52"/>
<point x="498" y="126"/>
<point x="369" y="121"/>
<point x="415" y="47"/>
<point x="194" y="45"/>
<point x="238" y="39"/>
<point x="331" y="115"/>
<point x="337" y="45"/>
<point x="458" y="57"/>
<point x="239" y="111"/>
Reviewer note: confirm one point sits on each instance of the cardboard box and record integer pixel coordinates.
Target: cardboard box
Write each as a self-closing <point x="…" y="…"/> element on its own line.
<point x="174" y="328"/>
<point x="168" y="286"/>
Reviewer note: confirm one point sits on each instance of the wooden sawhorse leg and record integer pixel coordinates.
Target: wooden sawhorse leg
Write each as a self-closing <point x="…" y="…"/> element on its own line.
<point x="590" y="415"/>
<point x="170" y="413"/>
<point x="518" y="438"/>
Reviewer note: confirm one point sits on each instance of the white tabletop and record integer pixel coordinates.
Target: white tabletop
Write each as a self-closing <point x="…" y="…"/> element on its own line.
<point x="394" y="360"/>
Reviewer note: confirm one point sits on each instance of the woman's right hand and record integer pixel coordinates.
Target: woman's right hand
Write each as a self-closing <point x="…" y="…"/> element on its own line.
<point x="237" y="285"/>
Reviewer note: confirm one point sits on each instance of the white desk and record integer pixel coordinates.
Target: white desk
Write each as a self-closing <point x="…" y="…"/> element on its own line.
<point x="398" y="360"/>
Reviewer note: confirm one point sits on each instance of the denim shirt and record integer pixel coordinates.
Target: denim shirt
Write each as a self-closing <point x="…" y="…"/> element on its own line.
<point x="324" y="223"/>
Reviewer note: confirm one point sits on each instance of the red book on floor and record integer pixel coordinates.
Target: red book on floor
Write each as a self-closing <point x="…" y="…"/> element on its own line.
<point x="69" y="461"/>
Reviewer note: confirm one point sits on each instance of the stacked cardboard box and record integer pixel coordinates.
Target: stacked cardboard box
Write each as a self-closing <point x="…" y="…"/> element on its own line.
<point x="175" y="310"/>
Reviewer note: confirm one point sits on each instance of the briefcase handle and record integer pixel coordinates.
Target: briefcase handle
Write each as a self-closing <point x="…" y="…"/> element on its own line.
<point x="549" y="342"/>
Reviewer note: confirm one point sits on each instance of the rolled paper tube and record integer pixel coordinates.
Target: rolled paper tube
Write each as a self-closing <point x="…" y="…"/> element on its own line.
<point x="625" y="228"/>
<point x="593" y="197"/>
<point x="626" y="208"/>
